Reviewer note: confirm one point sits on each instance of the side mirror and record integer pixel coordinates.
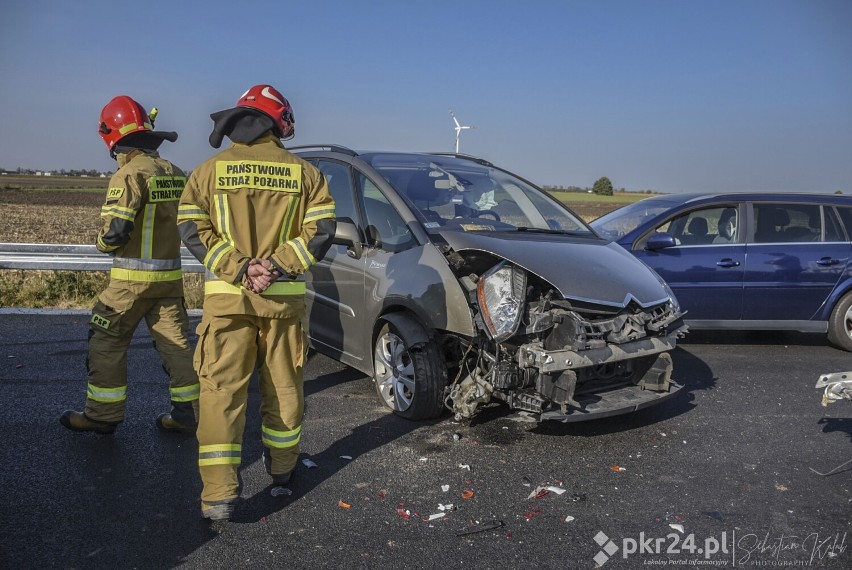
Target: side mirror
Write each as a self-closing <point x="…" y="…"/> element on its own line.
<point x="346" y="233"/>
<point x="660" y="240"/>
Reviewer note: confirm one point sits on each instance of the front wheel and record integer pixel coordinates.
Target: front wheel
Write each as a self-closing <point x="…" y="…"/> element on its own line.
<point x="409" y="378"/>
<point x="840" y="324"/>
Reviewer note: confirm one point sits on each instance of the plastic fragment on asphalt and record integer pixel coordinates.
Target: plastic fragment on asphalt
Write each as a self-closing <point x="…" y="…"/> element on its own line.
<point x="617" y="468"/>
<point x="445" y="488"/>
<point x="577" y="497"/>
<point x="424" y="459"/>
<point x="555" y="489"/>
<point x="341" y="503"/>
<point x="447" y="507"/>
<point x="538" y="493"/>
<point x="404" y="513"/>
<point x="467" y="494"/>
<point x="346" y="457"/>
<point x="309" y="463"/>
<point x="464" y="466"/>
<point x="526" y="481"/>
<point x="482" y="527"/>
<point x="714" y="515"/>
<point x="677" y="527"/>
<point x="456" y="437"/>
<point x="569" y="518"/>
<point x="276" y="491"/>
<point x="436" y="516"/>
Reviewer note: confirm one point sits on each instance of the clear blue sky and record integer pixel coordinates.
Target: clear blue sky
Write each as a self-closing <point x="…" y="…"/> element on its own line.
<point x="670" y="95"/>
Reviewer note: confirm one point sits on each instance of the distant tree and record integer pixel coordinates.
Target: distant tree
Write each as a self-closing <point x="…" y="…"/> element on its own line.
<point x="839" y="192"/>
<point x="602" y="187"/>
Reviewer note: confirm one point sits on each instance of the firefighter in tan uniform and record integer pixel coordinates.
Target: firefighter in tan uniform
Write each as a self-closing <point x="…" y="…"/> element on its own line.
<point x="140" y="232"/>
<point x="257" y="217"/>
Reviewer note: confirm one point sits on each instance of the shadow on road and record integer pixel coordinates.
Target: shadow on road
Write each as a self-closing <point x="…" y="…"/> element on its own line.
<point x="755" y="338"/>
<point x="361" y="440"/>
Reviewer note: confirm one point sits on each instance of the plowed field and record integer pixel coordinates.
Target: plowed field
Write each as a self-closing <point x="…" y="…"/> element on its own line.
<point x="39" y="216"/>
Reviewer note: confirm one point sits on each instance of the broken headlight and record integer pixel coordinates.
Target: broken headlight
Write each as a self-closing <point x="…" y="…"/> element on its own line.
<point x="500" y="294"/>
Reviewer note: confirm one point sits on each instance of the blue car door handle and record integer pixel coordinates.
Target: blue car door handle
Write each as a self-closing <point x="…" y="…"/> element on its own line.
<point x="728" y="262"/>
<point x="828" y="261"/>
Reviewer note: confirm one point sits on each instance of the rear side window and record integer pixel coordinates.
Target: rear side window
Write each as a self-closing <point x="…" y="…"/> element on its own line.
<point x="787" y="223"/>
<point x="846" y="217"/>
<point x="340" y="186"/>
<point x="833" y="227"/>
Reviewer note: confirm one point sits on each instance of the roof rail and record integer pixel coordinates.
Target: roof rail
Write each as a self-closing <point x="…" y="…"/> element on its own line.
<point x="331" y="147"/>
<point x="476" y="159"/>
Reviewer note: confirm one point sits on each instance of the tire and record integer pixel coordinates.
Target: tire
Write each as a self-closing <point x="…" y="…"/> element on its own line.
<point x="409" y="381"/>
<point x="840" y="324"/>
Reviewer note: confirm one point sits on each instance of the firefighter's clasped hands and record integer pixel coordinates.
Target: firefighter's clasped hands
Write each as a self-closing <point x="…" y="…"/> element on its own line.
<point x="259" y="275"/>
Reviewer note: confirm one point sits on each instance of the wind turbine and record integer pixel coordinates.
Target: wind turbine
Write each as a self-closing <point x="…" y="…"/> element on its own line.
<point x="459" y="129"/>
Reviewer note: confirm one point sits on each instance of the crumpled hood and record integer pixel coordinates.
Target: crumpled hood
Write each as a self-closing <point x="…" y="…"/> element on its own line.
<point x="588" y="270"/>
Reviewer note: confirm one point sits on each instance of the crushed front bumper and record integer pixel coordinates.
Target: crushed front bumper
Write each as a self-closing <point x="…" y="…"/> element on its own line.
<point x="611" y="403"/>
<point x="549" y="361"/>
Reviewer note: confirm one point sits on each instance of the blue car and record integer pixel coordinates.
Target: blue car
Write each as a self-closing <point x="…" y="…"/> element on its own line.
<point x="756" y="261"/>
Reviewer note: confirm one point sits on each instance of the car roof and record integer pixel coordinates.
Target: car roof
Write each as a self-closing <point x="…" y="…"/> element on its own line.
<point x="350" y="152"/>
<point x="699" y="197"/>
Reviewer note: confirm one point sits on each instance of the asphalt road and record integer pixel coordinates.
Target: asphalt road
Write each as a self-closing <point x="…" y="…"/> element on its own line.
<point x="727" y="462"/>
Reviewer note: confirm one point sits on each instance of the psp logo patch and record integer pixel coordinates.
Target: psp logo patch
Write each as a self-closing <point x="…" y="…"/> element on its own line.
<point x="608" y="548"/>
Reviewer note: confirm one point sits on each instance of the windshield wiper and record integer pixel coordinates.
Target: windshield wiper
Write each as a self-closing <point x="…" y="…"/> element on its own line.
<point x="552" y="231"/>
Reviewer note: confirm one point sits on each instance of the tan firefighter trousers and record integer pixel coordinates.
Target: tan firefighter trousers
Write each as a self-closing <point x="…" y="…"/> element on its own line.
<point x="111" y="330"/>
<point x="229" y="349"/>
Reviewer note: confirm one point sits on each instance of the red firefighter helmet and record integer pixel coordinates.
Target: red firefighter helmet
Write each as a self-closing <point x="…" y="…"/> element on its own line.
<point x="270" y="101"/>
<point x="120" y="117"/>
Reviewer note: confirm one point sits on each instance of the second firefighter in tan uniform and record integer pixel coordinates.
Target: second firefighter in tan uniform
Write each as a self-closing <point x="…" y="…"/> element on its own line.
<point x="140" y="232"/>
<point x="252" y="205"/>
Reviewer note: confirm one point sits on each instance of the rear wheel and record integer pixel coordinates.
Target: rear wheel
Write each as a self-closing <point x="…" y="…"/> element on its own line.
<point x="840" y="324"/>
<point x="410" y="378"/>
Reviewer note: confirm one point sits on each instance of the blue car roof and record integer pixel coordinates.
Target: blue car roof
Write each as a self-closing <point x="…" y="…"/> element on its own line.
<point x="689" y="197"/>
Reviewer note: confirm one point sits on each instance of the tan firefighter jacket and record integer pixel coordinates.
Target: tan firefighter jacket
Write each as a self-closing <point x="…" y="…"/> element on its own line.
<point x="256" y="200"/>
<point x="140" y="228"/>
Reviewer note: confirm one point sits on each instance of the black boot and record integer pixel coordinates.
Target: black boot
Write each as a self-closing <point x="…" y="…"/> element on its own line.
<point x="79" y="421"/>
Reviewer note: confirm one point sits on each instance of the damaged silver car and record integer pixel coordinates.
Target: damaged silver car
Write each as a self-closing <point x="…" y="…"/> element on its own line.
<point x="454" y="284"/>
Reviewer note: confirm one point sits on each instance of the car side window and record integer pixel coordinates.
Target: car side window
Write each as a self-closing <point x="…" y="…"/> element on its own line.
<point x="845" y="221"/>
<point x="340" y="185"/>
<point x="384" y="227"/>
<point x="833" y="228"/>
<point x="787" y="223"/>
<point x="716" y="225"/>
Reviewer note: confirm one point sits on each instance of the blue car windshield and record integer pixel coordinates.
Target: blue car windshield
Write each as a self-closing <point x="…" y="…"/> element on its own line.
<point x="624" y="220"/>
<point x="455" y="193"/>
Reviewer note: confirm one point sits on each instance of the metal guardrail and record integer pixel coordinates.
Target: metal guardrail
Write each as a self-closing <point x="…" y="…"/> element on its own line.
<point x="67" y="257"/>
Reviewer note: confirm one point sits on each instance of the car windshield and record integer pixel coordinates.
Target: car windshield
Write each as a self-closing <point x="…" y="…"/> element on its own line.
<point x="624" y="220"/>
<point x="454" y="193"/>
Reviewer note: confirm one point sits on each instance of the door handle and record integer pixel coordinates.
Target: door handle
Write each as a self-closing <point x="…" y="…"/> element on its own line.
<point x="728" y="262"/>
<point x="827" y="261"/>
